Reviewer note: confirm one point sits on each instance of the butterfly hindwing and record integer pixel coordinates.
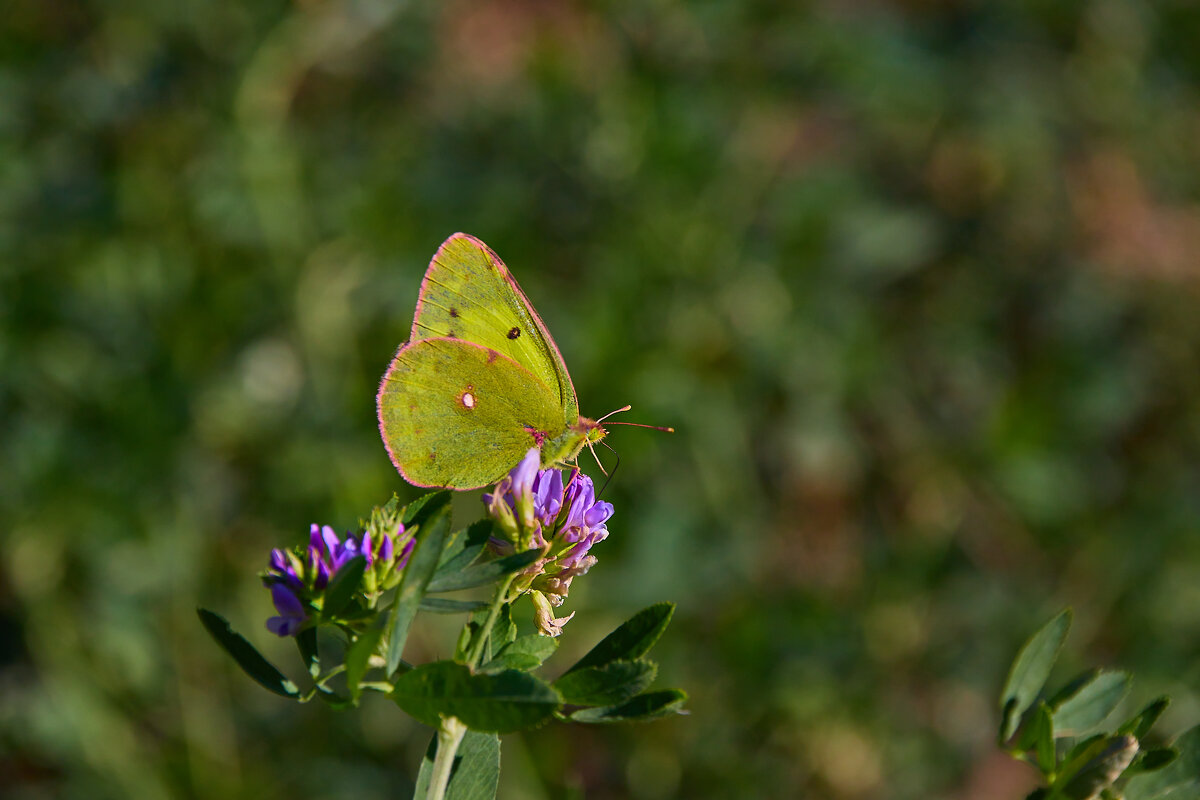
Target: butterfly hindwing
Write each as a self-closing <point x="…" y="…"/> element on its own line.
<point x="469" y="294"/>
<point x="458" y="413"/>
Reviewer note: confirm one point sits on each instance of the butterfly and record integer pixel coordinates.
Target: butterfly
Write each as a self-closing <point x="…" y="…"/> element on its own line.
<point x="480" y="380"/>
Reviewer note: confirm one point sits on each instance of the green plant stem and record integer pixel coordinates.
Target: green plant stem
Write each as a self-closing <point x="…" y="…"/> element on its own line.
<point x="451" y="732"/>
<point x="450" y="735"/>
<point x="338" y="670"/>
<point x="481" y="636"/>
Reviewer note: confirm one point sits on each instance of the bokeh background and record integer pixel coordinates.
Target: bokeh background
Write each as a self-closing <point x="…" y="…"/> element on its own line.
<point x="916" y="282"/>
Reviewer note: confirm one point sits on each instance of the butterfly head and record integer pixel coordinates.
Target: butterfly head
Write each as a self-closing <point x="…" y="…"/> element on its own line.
<point x="591" y="430"/>
<point x="565" y="447"/>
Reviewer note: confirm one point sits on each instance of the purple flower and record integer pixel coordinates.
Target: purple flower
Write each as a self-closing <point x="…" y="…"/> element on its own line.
<point x="528" y="489"/>
<point x="345" y="552"/>
<point x="547" y="496"/>
<point x="533" y="510"/>
<point x="523" y="476"/>
<point x="285" y="570"/>
<point x="292" y="614"/>
<point x="512" y="502"/>
<point x="324" y="537"/>
<point x="327" y="553"/>
<point x="402" y="561"/>
<point x="587" y="514"/>
<point x="524" y="473"/>
<point x="297" y="579"/>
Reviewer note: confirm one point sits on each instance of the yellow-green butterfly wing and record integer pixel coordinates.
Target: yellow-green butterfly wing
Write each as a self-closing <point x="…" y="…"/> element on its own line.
<point x="480" y="380"/>
<point x="449" y="412"/>
<point x="469" y="294"/>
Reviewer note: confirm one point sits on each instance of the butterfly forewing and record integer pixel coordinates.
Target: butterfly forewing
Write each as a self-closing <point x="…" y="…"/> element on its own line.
<point x="461" y="414"/>
<point x="469" y="294"/>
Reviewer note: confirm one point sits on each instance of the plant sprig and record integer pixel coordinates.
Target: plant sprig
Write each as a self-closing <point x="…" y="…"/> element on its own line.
<point x="490" y="687"/>
<point x="1064" y="736"/>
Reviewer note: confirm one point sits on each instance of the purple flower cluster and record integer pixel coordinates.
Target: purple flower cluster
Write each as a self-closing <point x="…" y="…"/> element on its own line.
<point x="534" y="509"/>
<point x="297" y="580"/>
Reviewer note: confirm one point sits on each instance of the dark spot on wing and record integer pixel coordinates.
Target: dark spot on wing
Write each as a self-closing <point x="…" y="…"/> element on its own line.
<point x="454" y="312"/>
<point x="514" y="333"/>
<point x="492" y="355"/>
<point x="452" y="334"/>
<point x="433" y="456"/>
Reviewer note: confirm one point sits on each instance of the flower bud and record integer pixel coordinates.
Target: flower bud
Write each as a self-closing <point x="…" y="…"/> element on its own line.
<point x="544" y="618"/>
<point x="292" y="613"/>
<point x="298" y="578"/>
<point x="523" y="476"/>
<point x="499" y="508"/>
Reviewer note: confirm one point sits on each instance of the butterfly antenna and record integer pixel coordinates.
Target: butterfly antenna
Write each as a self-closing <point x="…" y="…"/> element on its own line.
<point x="640" y="425"/>
<point x="614" y="469"/>
<point x="618" y="411"/>
<point x="633" y="424"/>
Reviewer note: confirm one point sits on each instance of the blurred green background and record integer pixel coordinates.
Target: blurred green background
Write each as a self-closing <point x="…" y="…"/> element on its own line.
<point x="916" y="282"/>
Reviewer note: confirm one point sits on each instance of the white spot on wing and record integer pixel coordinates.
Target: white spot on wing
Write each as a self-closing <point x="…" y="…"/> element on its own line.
<point x="468" y="399"/>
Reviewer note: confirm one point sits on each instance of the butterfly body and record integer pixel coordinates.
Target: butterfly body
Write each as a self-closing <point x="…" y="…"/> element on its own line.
<point x="566" y="446"/>
<point x="479" y="381"/>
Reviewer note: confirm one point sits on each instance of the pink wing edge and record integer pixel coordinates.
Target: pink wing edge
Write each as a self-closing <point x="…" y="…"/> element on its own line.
<point x="383" y="385"/>
<point x="387" y="445"/>
<point x="504" y="273"/>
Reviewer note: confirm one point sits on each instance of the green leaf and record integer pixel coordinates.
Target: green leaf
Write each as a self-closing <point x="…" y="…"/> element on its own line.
<point x="1072" y="687"/>
<point x="524" y="653"/>
<point x="476" y="771"/>
<point x="306" y="641"/>
<point x="249" y="659"/>
<point x="607" y="685"/>
<point x="525" y="662"/>
<point x="498" y="702"/>
<point x="642" y="708"/>
<point x="1188" y="790"/>
<point x="1156" y="759"/>
<point x="632" y="640"/>
<point x="420" y="508"/>
<point x="441" y="605"/>
<point x="358" y="657"/>
<point x="1037" y="735"/>
<point x="468" y="632"/>
<point x="1141" y="723"/>
<point x="344" y="584"/>
<point x="1091" y="702"/>
<point x="431" y="537"/>
<point x="464" y="547"/>
<point x="1181" y="777"/>
<point x="1030" y="670"/>
<point x="504" y="630"/>
<point x="483" y="574"/>
<point x="1095" y="768"/>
